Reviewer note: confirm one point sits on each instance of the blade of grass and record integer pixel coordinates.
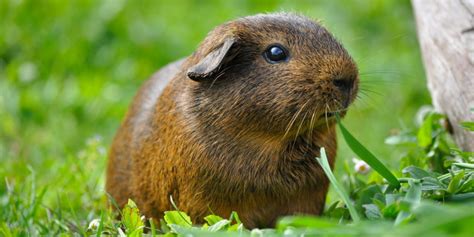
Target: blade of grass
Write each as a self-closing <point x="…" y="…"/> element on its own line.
<point x="367" y="156"/>
<point x="323" y="161"/>
<point x="101" y="225"/>
<point x="464" y="165"/>
<point x="152" y="227"/>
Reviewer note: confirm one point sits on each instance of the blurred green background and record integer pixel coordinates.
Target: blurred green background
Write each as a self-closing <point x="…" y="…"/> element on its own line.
<point x="68" y="70"/>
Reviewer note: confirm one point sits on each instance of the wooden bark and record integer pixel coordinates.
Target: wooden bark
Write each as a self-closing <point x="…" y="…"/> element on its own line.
<point x="446" y="35"/>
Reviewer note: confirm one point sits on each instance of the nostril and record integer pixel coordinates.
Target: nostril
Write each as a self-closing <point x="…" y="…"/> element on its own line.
<point x="343" y="84"/>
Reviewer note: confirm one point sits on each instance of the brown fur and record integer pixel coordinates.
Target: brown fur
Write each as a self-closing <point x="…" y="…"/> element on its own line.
<point x="243" y="134"/>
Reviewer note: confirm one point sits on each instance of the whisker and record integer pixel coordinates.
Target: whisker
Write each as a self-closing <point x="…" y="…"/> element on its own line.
<point x="292" y="121"/>
<point x="298" y="131"/>
<point x="311" y="123"/>
<point x="301" y="123"/>
<point x="377" y="80"/>
<point x="311" y="130"/>
<point x="365" y="90"/>
<point x="377" y="84"/>
<point x="378" y="72"/>
<point x="326" y="115"/>
<point x="360" y="97"/>
<point x="366" y="96"/>
<point x="339" y="104"/>
<point x="369" y="87"/>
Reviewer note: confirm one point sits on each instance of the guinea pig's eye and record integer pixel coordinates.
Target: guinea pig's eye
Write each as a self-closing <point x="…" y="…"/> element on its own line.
<point x="275" y="54"/>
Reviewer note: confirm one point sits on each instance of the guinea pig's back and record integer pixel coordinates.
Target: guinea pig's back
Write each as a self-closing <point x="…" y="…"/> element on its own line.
<point x="137" y="122"/>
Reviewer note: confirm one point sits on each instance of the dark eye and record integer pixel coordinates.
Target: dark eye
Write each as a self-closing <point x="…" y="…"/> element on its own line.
<point x="275" y="54"/>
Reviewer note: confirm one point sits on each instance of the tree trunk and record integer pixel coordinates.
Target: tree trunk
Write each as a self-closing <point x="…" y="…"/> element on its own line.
<point x="446" y="34"/>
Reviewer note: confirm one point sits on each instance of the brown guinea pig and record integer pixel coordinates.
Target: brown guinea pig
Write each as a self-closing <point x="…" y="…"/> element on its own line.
<point x="237" y="125"/>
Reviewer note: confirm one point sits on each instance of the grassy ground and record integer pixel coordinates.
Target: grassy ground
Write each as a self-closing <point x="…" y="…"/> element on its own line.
<point x="69" y="69"/>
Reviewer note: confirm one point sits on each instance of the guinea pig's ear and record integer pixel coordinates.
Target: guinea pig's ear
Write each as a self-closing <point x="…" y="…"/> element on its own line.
<point x="209" y="65"/>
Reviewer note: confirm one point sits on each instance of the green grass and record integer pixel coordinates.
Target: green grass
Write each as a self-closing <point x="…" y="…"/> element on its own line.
<point x="68" y="71"/>
<point x="323" y="162"/>
<point x="427" y="204"/>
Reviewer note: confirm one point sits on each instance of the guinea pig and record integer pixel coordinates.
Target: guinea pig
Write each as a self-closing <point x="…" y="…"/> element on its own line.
<point x="237" y="125"/>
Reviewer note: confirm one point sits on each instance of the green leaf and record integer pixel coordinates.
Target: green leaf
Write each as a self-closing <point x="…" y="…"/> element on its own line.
<point x="340" y="213"/>
<point x="304" y="222"/>
<point x="392" y="198"/>
<point x="331" y="207"/>
<point x="455" y="182"/>
<point x="468" y="126"/>
<point x="464" y="154"/>
<point x="131" y="219"/>
<point x="379" y="203"/>
<point x="416" y="172"/>
<point x="177" y="218"/>
<point x="367" y="194"/>
<point x="372" y="212"/>
<point x="432" y="184"/>
<point x="424" y="133"/>
<point x="238" y="226"/>
<point x="367" y="156"/>
<point x="391" y="210"/>
<point x="467" y="186"/>
<point x="323" y="162"/>
<point x="235" y="217"/>
<point x="220" y="225"/>
<point x="217" y="223"/>
<point x="182" y="230"/>
<point x="412" y="198"/>
<point x="464" y="165"/>
<point x="212" y="219"/>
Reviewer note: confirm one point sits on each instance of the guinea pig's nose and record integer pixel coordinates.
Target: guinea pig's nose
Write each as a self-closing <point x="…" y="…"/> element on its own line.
<point x="344" y="84"/>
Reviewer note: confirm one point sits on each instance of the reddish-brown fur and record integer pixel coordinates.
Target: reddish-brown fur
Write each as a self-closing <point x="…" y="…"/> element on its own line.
<point x="242" y="134"/>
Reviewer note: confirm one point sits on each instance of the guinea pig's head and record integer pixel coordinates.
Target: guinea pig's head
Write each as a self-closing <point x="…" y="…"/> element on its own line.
<point x="271" y="74"/>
